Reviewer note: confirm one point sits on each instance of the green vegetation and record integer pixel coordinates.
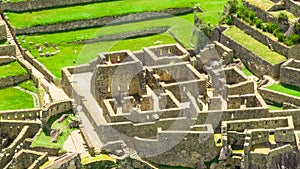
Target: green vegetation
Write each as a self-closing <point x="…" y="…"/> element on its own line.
<point x="29" y="85"/>
<point x="254" y="45"/>
<point x="80" y="12"/>
<point x="287" y="89"/>
<point x="43" y="139"/>
<point x="12" y="69"/>
<point x="247" y="71"/>
<point x="216" y="137"/>
<point x="171" y="167"/>
<point x="275" y="107"/>
<point x="101" y="157"/>
<point x="13" y="99"/>
<point x="209" y="163"/>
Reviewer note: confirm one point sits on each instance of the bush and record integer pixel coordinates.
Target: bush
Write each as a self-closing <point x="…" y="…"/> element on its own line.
<point x="232" y="6"/>
<point x="280" y="36"/>
<point x="295" y="38"/>
<point x="251" y="15"/>
<point x="228" y="20"/>
<point x="282" y="18"/>
<point x="259" y="23"/>
<point x="288" y="42"/>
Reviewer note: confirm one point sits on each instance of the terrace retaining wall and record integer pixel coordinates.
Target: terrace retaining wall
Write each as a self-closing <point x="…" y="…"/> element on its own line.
<point x="8" y="50"/>
<point x="289" y="74"/>
<point x="255" y="63"/>
<point x="40" y="67"/>
<point x="43" y="4"/>
<point x="280" y="48"/>
<point x="277" y="97"/>
<point x="107" y="20"/>
<point x="293" y="7"/>
<point x="13" y="80"/>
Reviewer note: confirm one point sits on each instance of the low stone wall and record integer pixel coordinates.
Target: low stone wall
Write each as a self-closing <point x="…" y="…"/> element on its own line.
<point x="66" y="161"/>
<point x="87" y="140"/>
<point x="47" y="74"/>
<point x="277" y="97"/>
<point x="6" y="60"/>
<point x="253" y="62"/>
<point x="293" y="7"/>
<point x="43" y="4"/>
<point x="26" y="114"/>
<point x="290" y="74"/>
<point x="8" y="50"/>
<point x="13" y="80"/>
<point x="125" y="35"/>
<point x="295" y="113"/>
<point x="55" y="108"/>
<point x="278" y="47"/>
<point x="97" y="22"/>
<point x="50" y="151"/>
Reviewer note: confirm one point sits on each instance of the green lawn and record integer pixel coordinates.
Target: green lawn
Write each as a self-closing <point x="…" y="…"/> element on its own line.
<point x="287" y="89"/>
<point x="254" y="45"/>
<point x="11" y="69"/>
<point x="43" y="140"/>
<point x="113" y="8"/>
<point x="101" y="157"/>
<point x="247" y="71"/>
<point x="29" y="85"/>
<point x="13" y="99"/>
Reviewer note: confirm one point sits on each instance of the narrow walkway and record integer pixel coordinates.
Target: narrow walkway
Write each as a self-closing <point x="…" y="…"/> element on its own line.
<point x="55" y="92"/>
<point x="34" y="96"/>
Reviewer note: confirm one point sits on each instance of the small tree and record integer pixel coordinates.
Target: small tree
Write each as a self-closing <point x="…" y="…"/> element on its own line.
<point x="232" y="6"/>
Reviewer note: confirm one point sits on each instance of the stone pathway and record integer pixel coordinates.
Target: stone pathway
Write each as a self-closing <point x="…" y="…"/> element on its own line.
<point x="75" y="143"/>
<point x="55" y="92"/>
<point x="34" y="96"/>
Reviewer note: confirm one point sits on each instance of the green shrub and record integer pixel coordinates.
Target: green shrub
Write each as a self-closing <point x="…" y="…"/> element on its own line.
<point x="295" y="38"/>
<point x="258" y="23"/>
<point x="232" y="6"/>
<point x="228" y="20"/>
<point x="280" y="36"/>
<point x="282" y="18"/>
<point x="251" y="15"/>
<point x="288" y="42"/>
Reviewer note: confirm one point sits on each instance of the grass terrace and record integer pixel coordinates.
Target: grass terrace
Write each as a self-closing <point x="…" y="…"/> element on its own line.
<point x="101" y="157"/>
<point x="254" y="45"/>
<point x="28" y="85"/>
<point x="43" y="139"/>
<point x="286" y="89"/>
<point x="69" y="51"/>
<point x="12" y="69"/>
<point x="262" y="4"/>
<point x="89" y="11"/>
<point x="13" y="99"/>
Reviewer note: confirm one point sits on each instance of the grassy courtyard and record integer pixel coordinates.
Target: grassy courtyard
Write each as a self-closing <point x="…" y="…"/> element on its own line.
<point x="80" y="12"/>
<point x="13" y="99"/>
<point x="254" y="45"/>
<point x="43" y="139"/>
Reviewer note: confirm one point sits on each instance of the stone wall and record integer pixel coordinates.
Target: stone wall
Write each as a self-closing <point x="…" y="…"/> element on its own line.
<point x="293" y="7"/>
<point x="256" y="34"/>
<point x="40" y="67"/>
<point x="255" y="63"/>
<point x="97" y="22"/>
<point x="55" y="108"/>
<point x="43" y="4"/>
<point x="68" y="161"/>
<point x="3" y="33"/>
<point x="295" y="113"/>
<point x="26" y="114"/>
<point x="8" y="50"/>
<point x="290" y="73"/>
<point x="126" y="35"/>
<point x="28" y="159"/>
<point x="6" y="60"/>
<point x="277" y="97"/>
<point x="13" y="80"/>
